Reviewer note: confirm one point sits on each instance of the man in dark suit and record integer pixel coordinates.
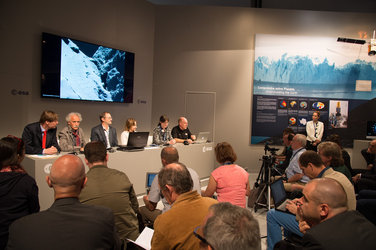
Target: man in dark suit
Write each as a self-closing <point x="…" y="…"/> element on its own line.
<point x="325" y="221"/>
<point x="40" y="137"/>
<point x="104" y="132"/>
<point x="67" y="224"/>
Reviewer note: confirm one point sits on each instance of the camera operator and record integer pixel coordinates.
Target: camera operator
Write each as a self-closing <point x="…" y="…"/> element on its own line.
<point x="283" y="159"/>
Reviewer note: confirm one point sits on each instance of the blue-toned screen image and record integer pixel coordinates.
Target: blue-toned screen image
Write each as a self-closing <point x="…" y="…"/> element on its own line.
<point x="91" y="72"/>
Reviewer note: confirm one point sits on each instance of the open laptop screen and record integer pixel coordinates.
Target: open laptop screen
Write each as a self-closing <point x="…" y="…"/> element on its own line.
<point x="278" y="191"/>
<point x="149" y="179"/>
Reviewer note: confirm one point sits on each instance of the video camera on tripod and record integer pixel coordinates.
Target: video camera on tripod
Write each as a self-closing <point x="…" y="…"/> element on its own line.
<point x="263" y="178"/>
<point x="271" y="150"/>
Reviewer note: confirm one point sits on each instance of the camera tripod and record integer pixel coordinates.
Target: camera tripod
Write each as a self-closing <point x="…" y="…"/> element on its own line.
<point x="263" y="179"/>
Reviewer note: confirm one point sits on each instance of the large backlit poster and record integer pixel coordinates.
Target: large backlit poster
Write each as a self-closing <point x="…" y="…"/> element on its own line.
<point x="295" y="76"/>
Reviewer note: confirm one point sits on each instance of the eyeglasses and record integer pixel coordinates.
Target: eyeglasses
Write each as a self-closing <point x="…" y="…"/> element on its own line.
<point x="202" y="239"/>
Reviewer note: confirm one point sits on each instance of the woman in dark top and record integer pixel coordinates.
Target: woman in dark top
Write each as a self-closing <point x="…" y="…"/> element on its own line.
<point x="345" y="155"/>
<point x="18" y="191"/>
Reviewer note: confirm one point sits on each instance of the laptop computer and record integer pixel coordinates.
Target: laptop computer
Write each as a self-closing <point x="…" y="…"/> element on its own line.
<point x="202" y="137"/>
<point x="279" y="195"/>
<point x="149" y="180"/>
<point x="136" y="141"/>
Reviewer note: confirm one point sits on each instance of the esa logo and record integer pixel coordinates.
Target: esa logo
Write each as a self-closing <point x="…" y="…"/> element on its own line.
<point x="19" y="92"/>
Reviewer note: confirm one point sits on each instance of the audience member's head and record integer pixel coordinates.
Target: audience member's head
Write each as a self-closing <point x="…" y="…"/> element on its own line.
<point x="299" y="141"/>
<point x="169" y="155"/>
<point x="8" y="153"/>
<point x="335" y="138"/>
<point x="310" y="163"/>
<point x="130" y="125"/>
<point x="73" y="120"/>
<point x="183" y="123"/>
<point x="372" y="147"/>
<point x="105" y="118"/>
<point x="323" y="198"/>
<point x="231" y="227"/>
<point x="330" y="154"/>
<point x="224" y="153"/>
<point x="49" y="119"/>
<point x="67" y="176"/>
<point x="174" y="180"/>
<point x="287" y="139"/>
<point x="287" y="131"/>
<point x="95" y="152"/>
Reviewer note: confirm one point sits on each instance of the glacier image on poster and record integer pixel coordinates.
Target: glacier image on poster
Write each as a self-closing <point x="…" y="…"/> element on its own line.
<point x="312" y="67"/>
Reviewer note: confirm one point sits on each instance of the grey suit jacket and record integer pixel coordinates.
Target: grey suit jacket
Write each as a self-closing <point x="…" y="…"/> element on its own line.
<point x="67" y="141"/>
<point x="97" y="134"/>
<point x="67" y="224"/>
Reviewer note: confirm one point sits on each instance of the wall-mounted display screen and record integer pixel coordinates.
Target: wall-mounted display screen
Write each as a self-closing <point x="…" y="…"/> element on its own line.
<point x="371" y="130"/>
<point x="78" y="70"/>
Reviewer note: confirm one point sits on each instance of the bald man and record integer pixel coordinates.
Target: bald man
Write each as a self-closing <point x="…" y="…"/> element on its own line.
<point x="67" y="224"/>
<point x="326" y="222"/>
<point x="181" y="132"/>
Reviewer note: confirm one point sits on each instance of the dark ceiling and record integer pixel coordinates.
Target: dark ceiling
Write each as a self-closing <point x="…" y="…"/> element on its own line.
<point x="315" y="5"/>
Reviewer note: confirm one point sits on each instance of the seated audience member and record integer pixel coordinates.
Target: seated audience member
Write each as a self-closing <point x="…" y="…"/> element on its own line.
<point x="104" y="132"/>
<point x="313" y="167"/>
<point x="149" y="212"/>
<point x="293" y="173"/>
<point x="18" y="191"/>
<point x="331" y="155"/>
<point x="162" y="133"/>
<point x="40" y="137"/>
<point x="368" y="156"/>
<point x="181" y="132"/>
<point x="72" y="136"/>
<point x="366" y="204"/>
<point x="230" y="181"/>
<point x="230" y="227"/>
<point x="366" y="179"/>
<point x="345" y="155"/>
<point x="315" y="131"/>
<point x="110" y="188"/>
<point x="285" y="156"/>
<point x="67" y="224"/>
<point x="173" y="229"/>
<point x="327" y="224"/>
<point x="130" y="126"/>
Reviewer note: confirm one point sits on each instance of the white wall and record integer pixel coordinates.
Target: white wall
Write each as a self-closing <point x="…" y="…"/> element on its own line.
<point x="212" y="49"/>
<point x="122" y="24"/>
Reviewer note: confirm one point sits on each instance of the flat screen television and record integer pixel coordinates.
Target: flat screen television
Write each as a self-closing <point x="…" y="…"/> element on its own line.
<point x="77" y="70"/>
<point x="371" y="130"/>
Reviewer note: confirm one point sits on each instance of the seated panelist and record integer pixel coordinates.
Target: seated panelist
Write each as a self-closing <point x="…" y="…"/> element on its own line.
<point x="181" y="132"/>
<point x="72" y="136"/>
<point x="130" y="126"/>
<point x="162" y="133"/>
<point x="104" y="132"/>
<point x="40" y="137"/>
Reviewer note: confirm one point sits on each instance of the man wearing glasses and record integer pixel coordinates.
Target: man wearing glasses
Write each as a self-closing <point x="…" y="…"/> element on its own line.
<point x="173" y="229"/>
